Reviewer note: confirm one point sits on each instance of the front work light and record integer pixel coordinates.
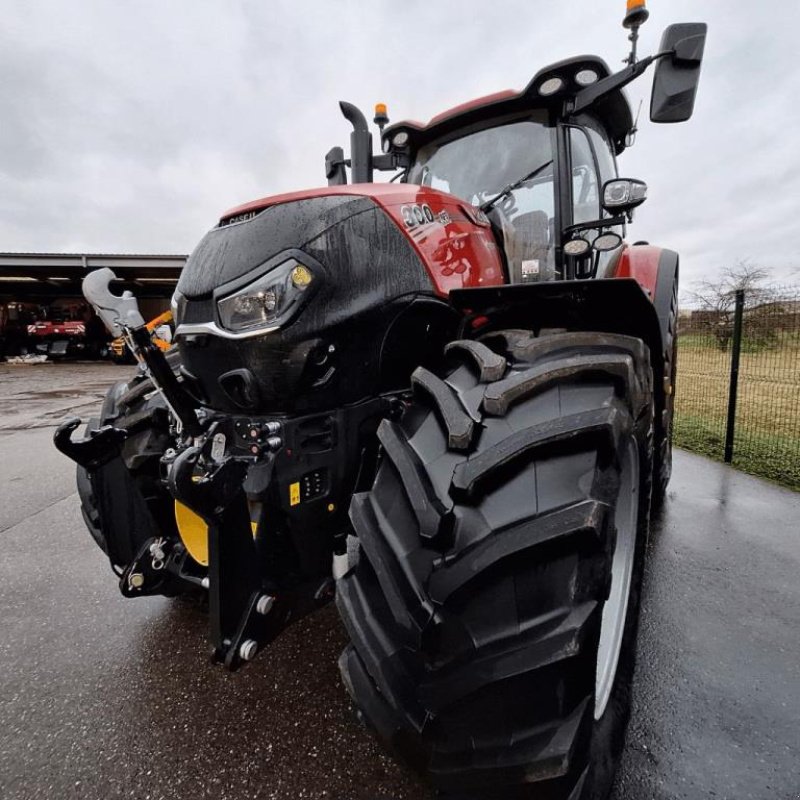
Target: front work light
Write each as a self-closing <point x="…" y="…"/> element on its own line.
<point x="267" y="302"/>
<point x="577" y="247"/>
<point x="607" y="242"/>
<point x="586" y="77"/>
<point x="400" y="139"/>
<point x="551" y="86"/>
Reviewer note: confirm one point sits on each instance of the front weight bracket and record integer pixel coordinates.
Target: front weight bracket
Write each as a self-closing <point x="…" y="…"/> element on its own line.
<point x="234" y="580"/>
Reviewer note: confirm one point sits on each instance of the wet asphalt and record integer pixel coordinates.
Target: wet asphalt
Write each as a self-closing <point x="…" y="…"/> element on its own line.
<point x="102" y="697"/>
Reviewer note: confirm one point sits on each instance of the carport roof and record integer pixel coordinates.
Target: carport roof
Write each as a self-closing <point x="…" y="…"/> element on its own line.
<point x="54" y="274"/>
<point x="41" y="265"/>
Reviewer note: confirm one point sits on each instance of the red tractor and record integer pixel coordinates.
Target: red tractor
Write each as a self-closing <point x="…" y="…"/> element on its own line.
<point x="446" y="401"/>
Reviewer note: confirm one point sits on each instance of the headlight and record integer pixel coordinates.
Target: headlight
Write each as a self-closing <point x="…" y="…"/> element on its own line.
<point x="268" y="301"/>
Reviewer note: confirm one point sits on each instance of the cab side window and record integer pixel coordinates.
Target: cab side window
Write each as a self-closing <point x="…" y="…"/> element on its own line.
<point x="605" y="157"/>
<point x="608" y="171"/>
<point x="585" y="181"/>
<point x="592" y="165"/>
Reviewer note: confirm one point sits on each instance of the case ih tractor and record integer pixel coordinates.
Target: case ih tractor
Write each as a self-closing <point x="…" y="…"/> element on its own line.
<point x="466" y="375"/>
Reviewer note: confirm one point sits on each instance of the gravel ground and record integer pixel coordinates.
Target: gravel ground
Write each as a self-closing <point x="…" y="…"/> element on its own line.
<point x="102" y="697"/>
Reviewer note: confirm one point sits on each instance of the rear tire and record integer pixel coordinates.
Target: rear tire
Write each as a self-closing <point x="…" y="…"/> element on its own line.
<point x="488" y="562"/>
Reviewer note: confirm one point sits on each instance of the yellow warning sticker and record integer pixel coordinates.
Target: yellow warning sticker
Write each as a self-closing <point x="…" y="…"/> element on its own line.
<point x="294" y="494"/>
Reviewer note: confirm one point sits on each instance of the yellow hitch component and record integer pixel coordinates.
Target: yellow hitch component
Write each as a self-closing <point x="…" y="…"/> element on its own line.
<point x="194" y="532"/>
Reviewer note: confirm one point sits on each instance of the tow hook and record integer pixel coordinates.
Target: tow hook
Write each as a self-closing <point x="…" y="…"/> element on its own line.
<point x="98" y="448"/>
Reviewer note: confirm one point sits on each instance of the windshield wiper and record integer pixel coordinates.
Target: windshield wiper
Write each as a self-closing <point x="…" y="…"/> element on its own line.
<point x="511" y="186"/>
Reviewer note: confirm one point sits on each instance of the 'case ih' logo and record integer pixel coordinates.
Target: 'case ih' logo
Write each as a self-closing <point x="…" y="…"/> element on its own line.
<point x="239" y="218"/>
<point x="417" y="215"/>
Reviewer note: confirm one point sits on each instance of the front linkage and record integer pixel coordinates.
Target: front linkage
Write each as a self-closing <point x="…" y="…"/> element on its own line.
<point x="240" y="476"/>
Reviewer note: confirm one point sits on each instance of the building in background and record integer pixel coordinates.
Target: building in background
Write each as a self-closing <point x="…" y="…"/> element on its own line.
<point x="42" y="308"/>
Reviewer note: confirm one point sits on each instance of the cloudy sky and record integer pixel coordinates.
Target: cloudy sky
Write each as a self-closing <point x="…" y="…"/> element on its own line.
<point x="128" y="127"/>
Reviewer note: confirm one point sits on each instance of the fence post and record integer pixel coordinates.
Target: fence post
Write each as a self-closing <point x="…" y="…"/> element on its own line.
<point x="733" y="389"/>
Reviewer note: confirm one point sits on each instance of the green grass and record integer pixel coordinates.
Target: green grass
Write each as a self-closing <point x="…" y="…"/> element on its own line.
<point x="767" y="441"/>
<point x="774" y="457"/>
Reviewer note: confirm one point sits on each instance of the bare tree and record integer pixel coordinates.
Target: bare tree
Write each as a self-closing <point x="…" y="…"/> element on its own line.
<point x="717" y="298"/>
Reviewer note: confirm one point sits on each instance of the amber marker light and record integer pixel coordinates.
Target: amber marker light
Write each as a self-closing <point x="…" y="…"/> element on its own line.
<point x="381" y="115"/>
<point x="636" y="14"/>
<point x="301" y="276"/>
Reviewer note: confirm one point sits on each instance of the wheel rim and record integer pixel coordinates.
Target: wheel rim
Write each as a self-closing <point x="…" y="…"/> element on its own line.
<point x="615" y="611"/>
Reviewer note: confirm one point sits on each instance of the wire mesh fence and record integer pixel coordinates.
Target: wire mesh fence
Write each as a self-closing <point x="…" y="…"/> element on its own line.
<point x="756" y="412"/>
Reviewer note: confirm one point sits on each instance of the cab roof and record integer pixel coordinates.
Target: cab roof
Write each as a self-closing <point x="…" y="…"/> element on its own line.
<point x="612" y="111"/>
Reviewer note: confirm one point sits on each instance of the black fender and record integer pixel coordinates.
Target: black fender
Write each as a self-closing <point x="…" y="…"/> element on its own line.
<point x="665" y="297"/>
<point x="608" y="305"/>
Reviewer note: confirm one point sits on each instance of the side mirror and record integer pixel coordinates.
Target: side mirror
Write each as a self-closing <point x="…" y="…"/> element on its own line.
<point x="622" y="195"/>
<point x="677" y="74"/>
<point x="334" y="167"/>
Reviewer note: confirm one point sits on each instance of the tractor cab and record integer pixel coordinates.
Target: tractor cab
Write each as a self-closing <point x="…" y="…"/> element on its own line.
<point x="532" y="169"/>
<point x="479" y="165"/>
<point x="540" y="163"/>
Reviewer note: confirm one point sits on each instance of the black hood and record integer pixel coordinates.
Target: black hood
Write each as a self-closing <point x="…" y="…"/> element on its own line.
<point x="231" y="250"/>
<point x="368" y="276"/>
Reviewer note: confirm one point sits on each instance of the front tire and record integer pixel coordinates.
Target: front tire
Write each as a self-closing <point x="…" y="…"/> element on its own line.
<point x="123" y="502"/>
<point x="494" y="607"/>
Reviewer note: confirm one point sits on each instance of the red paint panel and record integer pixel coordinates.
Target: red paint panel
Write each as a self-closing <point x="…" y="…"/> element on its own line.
<point x="356" y="189"/>
<point x="457" y="248"/>
<point x="479" y="102"/>
<point x="640" y="262"/>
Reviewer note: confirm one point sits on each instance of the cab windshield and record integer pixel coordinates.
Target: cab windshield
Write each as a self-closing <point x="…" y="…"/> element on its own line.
<point x="477" y="166"/>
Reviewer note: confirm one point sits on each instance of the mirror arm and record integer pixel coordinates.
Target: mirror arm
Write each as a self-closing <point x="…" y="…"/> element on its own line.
<point x="610" y="222"/>
<point x="390" y="161"/>
<point x="591" y="94"/>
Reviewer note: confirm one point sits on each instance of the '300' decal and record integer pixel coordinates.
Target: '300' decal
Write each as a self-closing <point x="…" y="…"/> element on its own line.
<point x="417" y="215"/>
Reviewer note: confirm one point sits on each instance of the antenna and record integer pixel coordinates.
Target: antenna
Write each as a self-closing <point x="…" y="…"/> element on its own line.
<point x="630" y="138"/>
<point x="635" y="17"/>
